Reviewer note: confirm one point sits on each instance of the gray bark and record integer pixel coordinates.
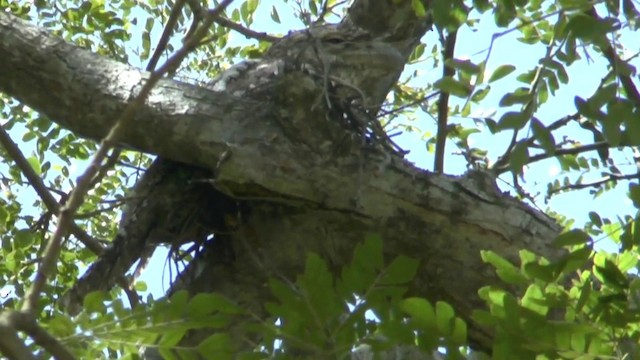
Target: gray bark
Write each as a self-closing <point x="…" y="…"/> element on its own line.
<point x="303" y="197"/>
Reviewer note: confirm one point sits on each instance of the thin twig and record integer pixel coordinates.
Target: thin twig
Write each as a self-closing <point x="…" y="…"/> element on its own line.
<point x="558" y="152"/>
<point x="200" y="13"/>
<point x="261" y="36"/>
<point x="166" y="34"/>
<point x="529" y="108"/>
<point x="593" y="184"/>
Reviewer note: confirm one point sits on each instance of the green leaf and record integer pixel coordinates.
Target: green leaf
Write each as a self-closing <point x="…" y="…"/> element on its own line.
<point x="575" y="4"/>
<point x="401" y="270"/>
<point x="634" y="194"/>
<point x="520" y="96"/>
<point x="501" y="71"/>
<point x="420" y="311"/>
<point x="631" y="134"/>
<point x="418" y="8"/>
<point x="94" y="302"/>
<point x="206" y="303"/>
<point x="585" y="294"/>
<point x="481" y="5"/>
<point x="612" y="276"/>
<point x="463" y="65"/>
<point x="546" y="273"/>
<point x="448" y="14"/>
<point x="171" y="338"/>
<point x="511" y="312"/>
<point x="313" y="7"/>
<point x="587" y="28"/>
<point x="60" y="325"/>
<point x="572" y="237"/>
<point x="140" y="286"/>
<point x="459" y="333"/>
<point x="587" y="109"/>
<point x="317" y="285"/>
<point x="603" y="96"/>
<point x="282" y="292"/>
<point x="453" y="87"/>
<point x="576" y="259"/>
<point x="417" y="53"/>
<point x="533" y="299"/>
<point x="560" y="71"/>
<point x="519" y="157"/>
<point x="480" y="94"/>
<point x="274" y="15"/>
<point x="513" y="120"/>
<point x="445" y="318"/>
<point x="543" y="136"/>
<point x="35" y="164"/>
<point x="505" y="270"/>
<point x="504" y="13"/>
<point x="627" y="260"/>
<point x="370" y="252"/>
<point x="396" y="332"/>
<point x="595" y="218"/>
<point x="361" y="273"/>
<point x="216" y="346"/>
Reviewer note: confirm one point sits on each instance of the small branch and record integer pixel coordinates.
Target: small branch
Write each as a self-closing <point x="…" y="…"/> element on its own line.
<point x="593" y="184"/>
<point x="166" y="34"/>
<point x="449" y="44"/>
<point x="326" y="9"/>
<point x="415" y="102"/>
<point x="110" y="164"/>
<point x="200" y="13"/>
<point x="615" y="61"/>
<point x="555" y="126"/>
<point x="558" y="152"/>
<point x="10" y="343"/>
<point x="82" y="186"/>
<point x="90" y="214"/>
<point x="261" y="36"/>
<point x="27" y="323"/>
<point x="41" y="189"/>
<point x="529" y="108"/>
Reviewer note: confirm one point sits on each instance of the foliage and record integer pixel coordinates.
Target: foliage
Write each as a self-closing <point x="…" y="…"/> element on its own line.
<point x="583" y="306"/>
<point x="319" y="314"/>
<point x="590" y="314"/>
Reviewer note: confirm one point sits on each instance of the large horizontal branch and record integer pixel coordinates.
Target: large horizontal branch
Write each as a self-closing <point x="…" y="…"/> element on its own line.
<point x="442" y="221"/>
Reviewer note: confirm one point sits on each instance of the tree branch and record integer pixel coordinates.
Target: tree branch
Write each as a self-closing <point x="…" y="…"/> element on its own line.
<point x="40" y="188"/>
<point x="27" y="323"/>
<point x="449" y="44"/>
<point x="615" y="62"/>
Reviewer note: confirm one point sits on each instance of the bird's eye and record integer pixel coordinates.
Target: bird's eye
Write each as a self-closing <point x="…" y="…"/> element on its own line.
<point x="334" y="40"/>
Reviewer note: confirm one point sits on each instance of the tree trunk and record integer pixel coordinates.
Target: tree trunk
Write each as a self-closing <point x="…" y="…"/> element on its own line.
<point x="303" y="196"/>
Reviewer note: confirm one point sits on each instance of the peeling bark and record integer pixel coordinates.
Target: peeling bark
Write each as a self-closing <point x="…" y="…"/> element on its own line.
<point x="304" y="197"/>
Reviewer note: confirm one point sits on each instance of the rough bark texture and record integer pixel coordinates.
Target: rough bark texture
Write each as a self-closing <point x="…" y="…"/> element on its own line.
<point x="304" y="196"/>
